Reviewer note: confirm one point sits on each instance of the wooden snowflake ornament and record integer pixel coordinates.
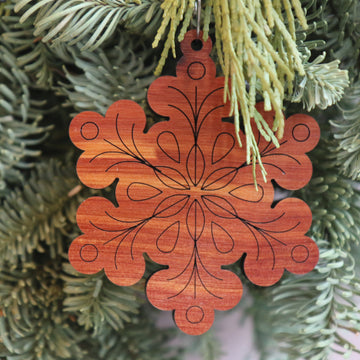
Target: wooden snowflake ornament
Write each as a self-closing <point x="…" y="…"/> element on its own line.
<point x="185" y="196"/>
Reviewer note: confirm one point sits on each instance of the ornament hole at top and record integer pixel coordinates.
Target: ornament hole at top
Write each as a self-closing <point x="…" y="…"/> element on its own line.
<point x="196" y="44"/>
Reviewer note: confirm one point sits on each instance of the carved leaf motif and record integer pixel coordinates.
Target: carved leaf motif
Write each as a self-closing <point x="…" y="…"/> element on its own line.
<point x="167" y="240"/>
<point x="246" y="193"/>
<point x="219" y="206"/>
<point x="171" y="206"/>
<point x="185" y="196"/>
<point x="223" y="144"/>
<point x="219" y="178"/>
<point x="195" y="220"/>
<point x="139" y="191"/>
<point x="195" y="164"/>
<point x="169" y="145"/>
<point x="172" y="178"/>
<point x="223" y="241"/>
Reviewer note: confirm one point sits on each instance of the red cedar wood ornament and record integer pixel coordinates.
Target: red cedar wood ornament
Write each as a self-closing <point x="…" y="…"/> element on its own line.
<point x="186" y="196"/>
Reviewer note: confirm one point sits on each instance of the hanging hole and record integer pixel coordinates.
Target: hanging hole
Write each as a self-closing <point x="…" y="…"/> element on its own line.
<point x="196" y="44"/>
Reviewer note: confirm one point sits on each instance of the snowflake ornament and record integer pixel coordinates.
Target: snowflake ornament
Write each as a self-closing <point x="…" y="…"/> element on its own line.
<point x="185" y="195"/>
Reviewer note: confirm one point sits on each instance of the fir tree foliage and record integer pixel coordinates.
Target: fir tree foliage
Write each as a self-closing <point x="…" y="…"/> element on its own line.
<point x="95" y="20"/>
<point x="346" y="131"/>
<point x="39" y="215"/>
<point x="323" y="84"/>
<point x="314" y="312"/>
<point x="33" y="325"/>
<point x="20" y="118"/>
<point x="32" y="55"/>
<point x="96" y="302"/>
<point x="118" y="73"/>
<point x="83" y="55"/>
<point x="335" y="208"/>
<point x="139" y="340"/>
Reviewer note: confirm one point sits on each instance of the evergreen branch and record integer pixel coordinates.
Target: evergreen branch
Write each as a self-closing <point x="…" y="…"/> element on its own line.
<point x="312" y="311"/>
<point x="174" y="12"/>
<point x="334" y="200"/>
<point x="96" y="302"/>
<point x="32" y="55"/>
<point x="346" y="131"/>
<point x="323" y="84"/>
<point x="39" y="215"/>
<point x="334" y="28"/>
<point x="140" y="340"/>
<point x="96" y="20"/>
<point x="108" y="76"/>
<point x="20" y="117"/>
<point x="33" y="326"/>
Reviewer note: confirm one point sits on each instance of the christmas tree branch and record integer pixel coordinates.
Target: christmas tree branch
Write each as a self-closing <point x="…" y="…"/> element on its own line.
<point x="346" y="131"/>
<point x="96" y="302"/>
<point x="108" y="76"/>
<point x="20" y="118"/>
<point x="38" y="215"/>
<point x="95" y="20"/>
<point x="314" y="311"/>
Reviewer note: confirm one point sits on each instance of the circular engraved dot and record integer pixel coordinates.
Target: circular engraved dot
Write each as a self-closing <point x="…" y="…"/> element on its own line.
<point x="300" y="253"/>
<point x="196" y="70"/>
<point x="301" y="132"/>
<point x="89" y="253"/>
<point x="89" y="130"/>
<point x="195" y="314"/>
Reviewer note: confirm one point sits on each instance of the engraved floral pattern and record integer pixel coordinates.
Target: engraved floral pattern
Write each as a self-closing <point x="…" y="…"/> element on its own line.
<point x="185" y="196"/>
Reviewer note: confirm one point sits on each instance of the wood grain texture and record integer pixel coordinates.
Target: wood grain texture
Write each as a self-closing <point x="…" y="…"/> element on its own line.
<point x="185" y="196"/>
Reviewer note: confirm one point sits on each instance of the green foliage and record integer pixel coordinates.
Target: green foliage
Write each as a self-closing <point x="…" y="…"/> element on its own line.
<point x="95" y="21"/>
<point x="346" y="131"/>
<point x="40" y="214"/>
<point x="342" y="35"/>
<point x="322" y="86"/>
<point x="33" y="325"/>
<point x="140" y="340"/>
<point x="334" y="28"/>
<point x="312" y="312"/>
<point x="334" y="200"/>
<point x="20" y="116"/>
<point x="32" y="55"/>
<point x="96" y="302"/>
<point x="47" y="310"/>
<point x="118" y="73"/>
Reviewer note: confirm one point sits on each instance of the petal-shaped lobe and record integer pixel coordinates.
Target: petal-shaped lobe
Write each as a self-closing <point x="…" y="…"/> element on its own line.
<point x="219" y="206"/>
<point x="140" y="192"/>
<point x="222" y="240"/>
<point x="219" y="178"/>
<point x="248" y="193"/>
<point x="195" y="220"/>
<point x="171" y="206"/>
<point x="195" y="164"/>
<point x="169" y="145"/>
<point x="168" y="239"/>
<point x="224" y="143"/>
<point x="171" y="178"/>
